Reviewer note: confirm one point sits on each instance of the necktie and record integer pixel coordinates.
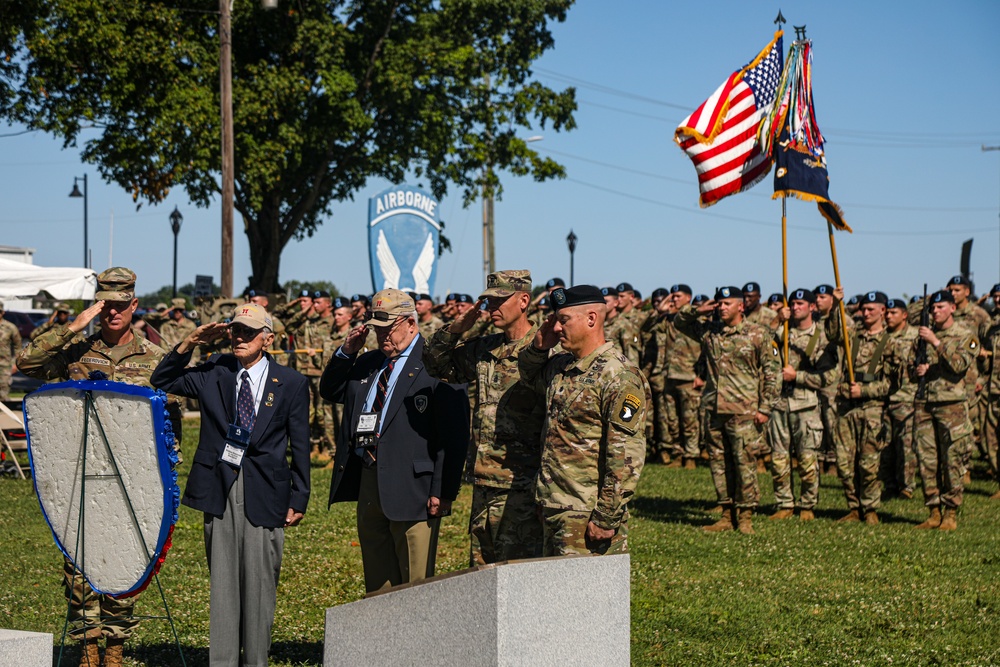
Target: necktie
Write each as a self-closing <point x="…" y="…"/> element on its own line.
<point x="383" y="386"/>
<point x="245" y="415"/>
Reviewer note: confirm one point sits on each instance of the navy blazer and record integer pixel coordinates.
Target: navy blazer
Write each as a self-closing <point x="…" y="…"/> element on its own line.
<point x="423" y="441"/>
<point x="271" y="486"/>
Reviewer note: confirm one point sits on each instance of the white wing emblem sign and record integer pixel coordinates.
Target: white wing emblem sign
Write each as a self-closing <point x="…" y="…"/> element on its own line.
<point x="403" y="234"/>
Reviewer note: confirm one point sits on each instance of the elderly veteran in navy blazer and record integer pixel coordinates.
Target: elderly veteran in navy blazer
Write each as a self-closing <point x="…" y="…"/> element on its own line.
<point x="403" y="439"/>
<point x="253" y="413"/>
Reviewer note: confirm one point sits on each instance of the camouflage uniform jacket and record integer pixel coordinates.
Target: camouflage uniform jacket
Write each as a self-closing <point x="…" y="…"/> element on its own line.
<point x="42" y="328"/>
<point x="312" y="332"/>
<point x="652" y="338"/>
<point x="974" y="318"/>
<point x="873" y="378"/>
<point x="619" y="331"/>
<point x="593" y="437"/>
<point x="508" y="416"/>
<point x="174" y="331"/>
<point x="429" y="328"/>
<point x="815" y="360"/>
<point x="901" y="351"/>
<point x="744" y="370"/>
<point x="992" y="343"/>
<point x="763" y="316"/>
<point x="48" y="356"/>
<point x="682" y="354"/>
<point x="834" y="331"/>
<point x="10" y="342"/>
<point x="947" y="376"/>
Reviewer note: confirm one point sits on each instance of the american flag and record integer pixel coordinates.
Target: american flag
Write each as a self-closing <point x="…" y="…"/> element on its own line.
<point x="721" y="138"/>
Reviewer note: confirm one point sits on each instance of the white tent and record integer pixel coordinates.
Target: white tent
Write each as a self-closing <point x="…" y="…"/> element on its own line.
<point x="19" y="280"/>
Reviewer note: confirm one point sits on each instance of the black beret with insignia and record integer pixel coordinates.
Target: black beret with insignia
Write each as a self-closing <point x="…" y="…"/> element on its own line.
<point x="730" y="292"/>
<point x="824" y="289"/>
<point x="943" y="296"/>
<point x="306" y="292"/>
<point x="802" y="295"/>
<point x="341" y="302"/>
<point x="751" y="287"/>
<point x="637" y="294"/>
<point x="564" y="297"/>
<point x="609" y="291"/>
<point x="424" y="297"/>
<point x="680" y="287"/>
<point x="555" y="282"/>
<point x="896" y="303"/>
<point x="960" y="280"/>
<point x="777" y="297"/>
<point x="625" y="287"/>
<point x="855" y="300"/>
<point x="873" y="297"/>
<point x="996" y="288"/>
<point x="360" y="297"/>
<point x="464" y="298"/>
<point x="659" y="293"/>
<point x="699" y="299"/>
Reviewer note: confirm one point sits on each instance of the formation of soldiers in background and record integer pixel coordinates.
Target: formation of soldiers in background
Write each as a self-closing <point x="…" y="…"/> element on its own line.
<point x="877" y="434"/>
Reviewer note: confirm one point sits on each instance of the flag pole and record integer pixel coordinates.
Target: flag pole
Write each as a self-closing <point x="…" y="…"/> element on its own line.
<point x="784" y="267"/>
<point x="843" y="314"/>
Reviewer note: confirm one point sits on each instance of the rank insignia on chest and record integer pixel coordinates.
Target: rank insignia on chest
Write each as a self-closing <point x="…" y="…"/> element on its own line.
<point x="420" y="403"/>
<point x="629" y="407"/>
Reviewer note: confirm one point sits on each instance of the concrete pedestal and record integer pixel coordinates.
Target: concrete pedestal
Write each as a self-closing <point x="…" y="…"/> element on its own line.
<point x="550" y="611"/>
<point x="25" y="649"/>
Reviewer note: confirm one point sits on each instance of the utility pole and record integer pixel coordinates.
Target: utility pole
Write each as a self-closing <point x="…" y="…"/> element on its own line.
<point x="226" y="97"/>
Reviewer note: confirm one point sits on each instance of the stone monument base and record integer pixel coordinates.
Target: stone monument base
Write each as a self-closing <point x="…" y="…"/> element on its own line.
<point x="549" y="611"/>
<point x="25" y="649"/>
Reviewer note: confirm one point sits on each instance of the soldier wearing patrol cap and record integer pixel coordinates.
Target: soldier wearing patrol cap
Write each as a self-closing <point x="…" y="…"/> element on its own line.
<point x="943" y="427"/>
<point x="507" y="419"/>
<point x="795" y="427"/>
<point x="860" y="435"/>
<point x="177" y="326"/>
<point x="753" y="311"/>
<point x="121" y="356"/>
<point x="593" y="436"/>
<point x="59" y="318"/>
<point x="741" y="392"/>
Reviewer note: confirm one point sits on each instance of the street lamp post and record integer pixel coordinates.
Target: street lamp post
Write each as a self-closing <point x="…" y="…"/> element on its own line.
<point x="76" y="193"/>
<point x="175" y="225"/>
<point x="571" y="242"/>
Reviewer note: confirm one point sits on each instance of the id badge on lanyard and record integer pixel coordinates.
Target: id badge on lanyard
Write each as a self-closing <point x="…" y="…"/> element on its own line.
<point x="237" y="440"/>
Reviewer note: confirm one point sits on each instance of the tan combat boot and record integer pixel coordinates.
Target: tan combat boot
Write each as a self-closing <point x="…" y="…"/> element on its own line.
<point x="689" y="464"/>
<point x="782" y="514"/>
<point x="90" y="655"/>
<point x="113" y="652"/>
<point x="871" y="518"/>
<point x="995" y="496"/>
<point x="948" y="520"/>
<point x="850" y="517"/>
<point x="746" y="525"/>
<point x="806" y="515"/>
<point x="723" y="524"/>
<point x="664" y="457"/>
<point x="933" y="521"/>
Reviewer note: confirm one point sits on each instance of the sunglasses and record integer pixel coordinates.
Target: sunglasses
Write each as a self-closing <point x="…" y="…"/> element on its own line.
<point x="379" y="316"/>
<point x="244" y="332"/>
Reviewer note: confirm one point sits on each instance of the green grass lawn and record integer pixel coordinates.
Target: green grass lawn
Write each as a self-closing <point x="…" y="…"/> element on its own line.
<point x="794" y="594"/>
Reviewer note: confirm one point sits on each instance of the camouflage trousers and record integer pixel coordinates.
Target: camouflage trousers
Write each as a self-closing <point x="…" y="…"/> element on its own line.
<point x="565" y="533"/>
<point x="798" y="434"/>
<point x="92" y="615"/>
<point x="657" y="426"/>
<point x="733" y="444"/>
<point x="991" y="410"/>
<point x="504" y="525"/>
<point x="976" y="416"/>
<point x="899" y="459"/>
<point x="682" y="401"/>
<point x="944" y="439"/>
<point x="860" y="438"/>
<point x="828" y="413"/>
<point x="5" y="381"/>
<point x="321" y="424"/>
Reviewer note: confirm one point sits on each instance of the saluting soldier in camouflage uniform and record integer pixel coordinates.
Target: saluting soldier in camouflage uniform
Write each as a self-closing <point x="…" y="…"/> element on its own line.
<point x="741" y="392"/>
<point x="899" y="459"/>
<point x="860" y="435"/>
<point x="59" y="318"/>
<point x="177" y="326"/>
<point x="10" y="345"/>
<point x="123" y="357"/>
<point x="944" y="431"/>
<point x="593" y="440"/>
<point x="682" y="389"/>
<point x="795" y="427"/>
<point x="314" y="328"/>
<point x="507" y="421"/>
<point x="618" y="328"/>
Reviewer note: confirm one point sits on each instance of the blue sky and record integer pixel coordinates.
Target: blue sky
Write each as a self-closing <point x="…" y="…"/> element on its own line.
<point x="906" y="94"/>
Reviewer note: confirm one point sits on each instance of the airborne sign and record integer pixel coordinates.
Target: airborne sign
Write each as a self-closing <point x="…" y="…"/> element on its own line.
<point x="403" y="232"/>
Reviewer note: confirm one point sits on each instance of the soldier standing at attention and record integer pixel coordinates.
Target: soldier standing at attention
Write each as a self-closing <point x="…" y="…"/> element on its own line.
<point x="653" y="367"/>
<point x="593" y="438"/>
<point x="743" y="383"/>
<point x="507" y="420"/>
<point x="974" y="318"/>
<point x="427" y="322"/>
<point x="943" y="426"/>
<point x="753" y="311"/>
<point x="10" y="346"/>
<point x="122" y="357"/>
<point x="316" y="338"/>
<point x="991" y="406"/>
<point x="826" y="301"/>
<point x="860" y="435"/>
<point x="59" y="318"/>
<point x="262" y="299"/>
<point x="899" y="459"/>
<point x="795" y="427"/>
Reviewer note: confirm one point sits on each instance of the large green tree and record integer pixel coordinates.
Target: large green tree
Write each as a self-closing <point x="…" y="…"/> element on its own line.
<point x="326" y="96"/>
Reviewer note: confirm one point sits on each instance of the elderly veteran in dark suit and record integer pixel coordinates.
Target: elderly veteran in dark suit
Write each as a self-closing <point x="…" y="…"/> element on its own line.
<point x="403" y="441"/>
<point x="253" y="413"/>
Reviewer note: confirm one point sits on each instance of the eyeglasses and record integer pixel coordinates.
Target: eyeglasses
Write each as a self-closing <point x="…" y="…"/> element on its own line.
<point x="244" y="332"/>
<point x="380" y="316"/>
<point x="117" y="306"/>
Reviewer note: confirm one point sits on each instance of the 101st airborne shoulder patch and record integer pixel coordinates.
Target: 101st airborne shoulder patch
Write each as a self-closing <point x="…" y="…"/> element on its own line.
<point x="973" y="345"/>
<point x="630" y="405"/>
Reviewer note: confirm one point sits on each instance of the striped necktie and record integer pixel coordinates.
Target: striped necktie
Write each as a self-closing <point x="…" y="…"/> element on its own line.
<point x="383" y="386"/>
